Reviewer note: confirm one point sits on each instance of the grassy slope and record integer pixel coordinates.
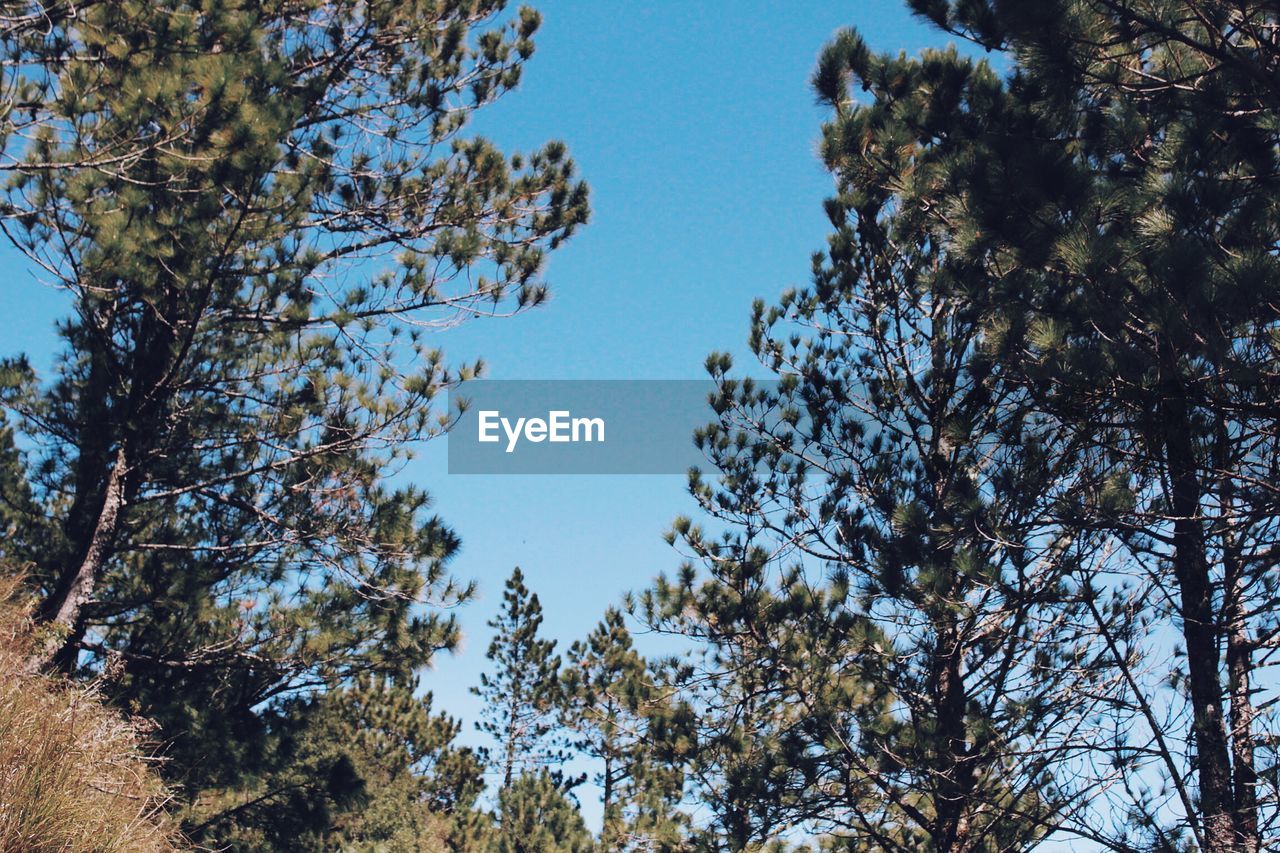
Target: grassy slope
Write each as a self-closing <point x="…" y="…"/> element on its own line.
<point x="73" y="773"/>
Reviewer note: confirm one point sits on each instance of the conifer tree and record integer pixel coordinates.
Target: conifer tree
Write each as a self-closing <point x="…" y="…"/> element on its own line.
<point x="365" y="766"/>
<point x="522" y="694"/>
<point x="893" y="609"/>
<point x="535" y="816"/>
<point x="735" y="732"/>
<point x="256" y="210"/>
<point x="894" y="604"/>
<point x="610" y="699"/>
<point x="220" y="368"/>
<point x="1123" y="185"/>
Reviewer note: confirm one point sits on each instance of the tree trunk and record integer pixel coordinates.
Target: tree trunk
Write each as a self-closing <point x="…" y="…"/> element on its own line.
<point x="609" y="829"/>
<point x="64" y="609"/>
<point x="955" y="786"/>
<point x="1239" y="681"/>
<point x="1239" y="655"/>
<point x="1200" y="627"/>
<point x="1239" y="668"/>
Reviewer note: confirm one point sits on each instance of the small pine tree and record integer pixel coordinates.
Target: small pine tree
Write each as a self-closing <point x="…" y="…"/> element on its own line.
<point x="609" y="696"/>
<point x="366" y="766"/>
<point x="535" y="816"/>
<point x="522" y="695"/>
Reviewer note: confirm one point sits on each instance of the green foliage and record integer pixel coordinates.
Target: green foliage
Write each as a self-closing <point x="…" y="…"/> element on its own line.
<point x="610" y="703"/>
<point x="257" y="210"/>
<point x="1128" y="191"/>
<point x="535" y="816"/>
<point x="522" y="694"/>
<point x="364" y="768"/>
<point x="1106" y="217"/>
<point x="901" y="644"/>
<point x="1025" y="431"/>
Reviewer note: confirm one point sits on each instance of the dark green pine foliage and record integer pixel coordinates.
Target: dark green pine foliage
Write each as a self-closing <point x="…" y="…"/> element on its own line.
<point x="256" y="210"/>
<point x="899" y="627"/>
<point x="610" y="700"/>
<point x="23" y="526"/>
<point x="522" y="693"/>
<point x="535" y="816"/>
<point x="733" y="728"/>
<point x="1126" y="188"/>
<point x="367" y="767"/>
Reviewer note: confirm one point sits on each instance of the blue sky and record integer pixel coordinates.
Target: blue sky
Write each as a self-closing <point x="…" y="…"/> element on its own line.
<point x="695" y="126"/>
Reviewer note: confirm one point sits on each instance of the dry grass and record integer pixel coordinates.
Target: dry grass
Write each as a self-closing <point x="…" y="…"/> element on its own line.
<point x="73" y="773"/>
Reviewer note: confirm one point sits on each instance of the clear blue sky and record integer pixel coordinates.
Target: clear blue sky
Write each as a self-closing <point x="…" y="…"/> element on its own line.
<point x="695" y="126"/>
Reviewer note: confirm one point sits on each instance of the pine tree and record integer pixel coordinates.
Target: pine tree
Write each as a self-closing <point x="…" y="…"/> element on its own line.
<point x="535" y="816"/>
<point x="522" y="694"/>
<point x="356" y="768"/>
<point x="893" y="604"/>
<point x="214" y="366"/>
<point x="256" y="210"/>
<point x="735" y="731"/>
<point x="610" y="696"/>
<point x="1124" y="185"/>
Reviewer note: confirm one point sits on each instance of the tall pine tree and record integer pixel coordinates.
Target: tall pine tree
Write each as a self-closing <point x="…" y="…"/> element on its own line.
<point x="256" y="210"/>
<point x="1123" y="186"/>
<point x="898" y="602"/>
